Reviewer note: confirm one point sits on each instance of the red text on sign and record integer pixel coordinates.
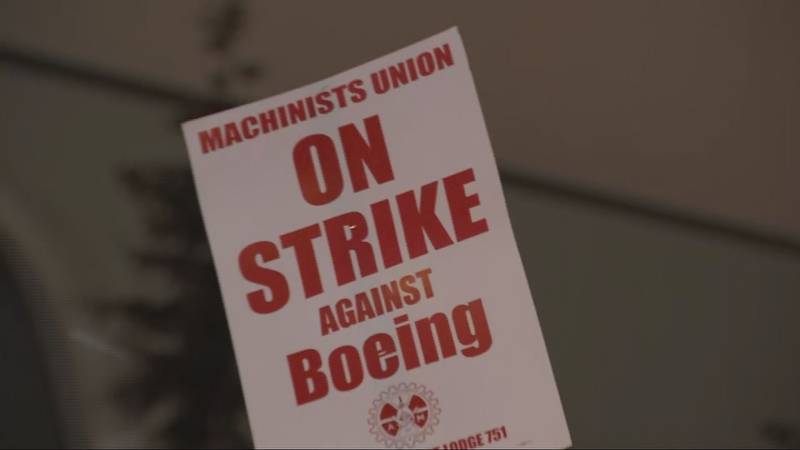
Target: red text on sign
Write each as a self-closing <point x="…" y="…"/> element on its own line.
<point x="381" y="355"/>
<point x="351" y="237"/>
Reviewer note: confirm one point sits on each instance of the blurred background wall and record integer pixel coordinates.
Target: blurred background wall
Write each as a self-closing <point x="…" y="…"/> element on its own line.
<point x="649" y="151"/>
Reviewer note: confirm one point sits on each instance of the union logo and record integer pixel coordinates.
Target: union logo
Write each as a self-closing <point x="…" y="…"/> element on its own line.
<point x="403" y="415"/>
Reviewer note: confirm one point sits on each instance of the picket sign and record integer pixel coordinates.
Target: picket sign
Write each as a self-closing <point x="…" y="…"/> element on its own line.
<point x="371" y="280"/>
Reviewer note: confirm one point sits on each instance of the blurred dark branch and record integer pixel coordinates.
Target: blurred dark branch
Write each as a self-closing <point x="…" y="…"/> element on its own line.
<point x="641" y="208"/>
<point x="98" y="78"/>
<point x="225" y="26"/>
<point x="562" y="190"/>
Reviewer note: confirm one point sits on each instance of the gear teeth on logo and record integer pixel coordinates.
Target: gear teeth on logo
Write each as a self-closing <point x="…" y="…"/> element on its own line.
<point x="389" y="396"/>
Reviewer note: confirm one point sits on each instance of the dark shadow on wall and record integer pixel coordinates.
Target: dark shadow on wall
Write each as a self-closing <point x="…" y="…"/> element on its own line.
<point x="28" y="418"/>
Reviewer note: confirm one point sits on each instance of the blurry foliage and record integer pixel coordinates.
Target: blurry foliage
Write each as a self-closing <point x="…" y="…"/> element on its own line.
<point x="188" y="370"/>
<point x="223" y="29"/>
<point x="197" y="376"/>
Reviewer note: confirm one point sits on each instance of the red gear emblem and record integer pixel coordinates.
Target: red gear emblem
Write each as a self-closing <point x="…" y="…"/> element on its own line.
<point x="403" y="415"/>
